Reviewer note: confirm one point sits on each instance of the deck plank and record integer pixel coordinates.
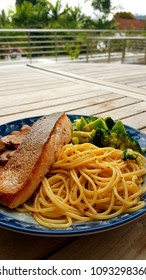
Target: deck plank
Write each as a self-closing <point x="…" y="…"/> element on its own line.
<point x="116" y="87"/>
<point x="108" y="108"/>
<point x="127" y="111"/>
<point x="17" y="112"/>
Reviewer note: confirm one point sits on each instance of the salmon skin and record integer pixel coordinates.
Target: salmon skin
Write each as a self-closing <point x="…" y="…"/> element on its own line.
<point x="33" y="158"/>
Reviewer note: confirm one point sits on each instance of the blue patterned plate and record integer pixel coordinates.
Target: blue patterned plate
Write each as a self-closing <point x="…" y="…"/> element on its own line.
<point x="24" y="223"/>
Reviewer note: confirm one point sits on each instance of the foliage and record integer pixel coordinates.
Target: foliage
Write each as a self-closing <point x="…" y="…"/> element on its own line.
<point x="43" y="14"/>
<point x="28" y="15"/>
<point x="102" y="6"/>
<point x="73" y="50"/>
<point x="124" y="15"/>
<point x="20" y="2"/>
<point x="4" y="20"/>
<point x="102" y="9"/>
<point x="72" y="18"/>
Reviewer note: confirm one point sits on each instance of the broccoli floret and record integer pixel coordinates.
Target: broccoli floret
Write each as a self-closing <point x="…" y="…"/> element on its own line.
<point x="91" y="119"/>
<point x="103" y="133"/>
<point x="109" y="122"/>
<point x="98" y="123"/>
<point x="128" y="154"/>
<point x="80" y="137"/>
<point x="116" y="140"/>
<point x="109" y="139"/>
<point x="98" y="137"/>
<point x="78" y="124"/>
<point x="118" y="126"/>
<point x="132" y="144"/>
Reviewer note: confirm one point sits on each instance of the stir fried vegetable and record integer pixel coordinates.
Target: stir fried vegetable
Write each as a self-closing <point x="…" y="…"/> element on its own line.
<point x="105" y="132"/>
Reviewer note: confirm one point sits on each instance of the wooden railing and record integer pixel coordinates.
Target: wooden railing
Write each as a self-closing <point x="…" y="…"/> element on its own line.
<point x="74" y="44"/>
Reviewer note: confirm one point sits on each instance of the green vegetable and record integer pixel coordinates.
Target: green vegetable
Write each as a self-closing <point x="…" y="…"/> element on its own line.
<point x="75" y="140"/>
<point x="104" y="132"/>
<point x="108" y="139"/>
<point x="132" y="144"/>
<point x="80" y="137"/>
<point x="117" y="140"/>
<point x="118" y="126"/>
<point x="78" y="124"/>
<point x="128" y="154"/>
<point x="98" y="123"/>
<point x="91" y="119"/>
<point x="109" y="122"/>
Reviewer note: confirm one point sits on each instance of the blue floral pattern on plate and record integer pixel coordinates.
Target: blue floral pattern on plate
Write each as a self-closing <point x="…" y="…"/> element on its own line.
<point x="24" y="223"/>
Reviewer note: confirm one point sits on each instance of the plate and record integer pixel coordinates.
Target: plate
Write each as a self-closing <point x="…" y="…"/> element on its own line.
<point x="24" y="223"/>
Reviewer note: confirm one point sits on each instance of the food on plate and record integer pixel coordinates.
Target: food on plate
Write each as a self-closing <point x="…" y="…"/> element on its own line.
<point x="104" y="132"/>
<point x="14" y="139"/>
<point x="9" y="143"/>
<point x="38" y="150"/>
<point x="88" y="183"/>
<point x="66" y="173"/>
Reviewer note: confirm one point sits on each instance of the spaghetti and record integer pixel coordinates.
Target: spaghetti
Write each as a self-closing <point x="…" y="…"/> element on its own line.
<point x="88" y="183"/>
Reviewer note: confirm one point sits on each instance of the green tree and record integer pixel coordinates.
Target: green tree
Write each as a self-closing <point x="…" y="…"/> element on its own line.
<point x="102" y="9"/>
<point x="4" y="43"/>
<point x="20" y="2"/>
<point x="43" y="14"/>
<point x="103" y="6"/>
<point x="72" y="18"/>
<point x="55" y="11"/>
<point x="28" y="15"/>
<point x="4" y="20"/>
<point x="125" y="15"/>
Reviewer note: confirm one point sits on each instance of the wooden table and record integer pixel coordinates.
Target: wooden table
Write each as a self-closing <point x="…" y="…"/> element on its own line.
<point x="116" y="90"/>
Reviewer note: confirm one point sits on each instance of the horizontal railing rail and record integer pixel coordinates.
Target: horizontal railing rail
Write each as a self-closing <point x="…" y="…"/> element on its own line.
<point x="123" y="44"/>
<point x="29" y="44"/>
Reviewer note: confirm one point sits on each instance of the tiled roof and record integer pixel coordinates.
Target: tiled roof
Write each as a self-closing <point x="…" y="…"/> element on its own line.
<point x="137" y="24"/>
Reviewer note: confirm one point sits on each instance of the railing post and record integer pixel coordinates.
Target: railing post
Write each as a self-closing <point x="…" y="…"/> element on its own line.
<point x="29" y="47"/>
<point x="87" y="49"/>
<point x="109" y="50"/>
<point x="123" y="51"/>
<point x="56" y="47"/>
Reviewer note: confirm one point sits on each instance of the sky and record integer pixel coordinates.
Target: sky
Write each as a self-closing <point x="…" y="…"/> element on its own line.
<point x="133" y="6"/>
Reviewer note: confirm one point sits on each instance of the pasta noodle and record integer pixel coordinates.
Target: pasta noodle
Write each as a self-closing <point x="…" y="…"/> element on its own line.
<point x="88" y="183"/>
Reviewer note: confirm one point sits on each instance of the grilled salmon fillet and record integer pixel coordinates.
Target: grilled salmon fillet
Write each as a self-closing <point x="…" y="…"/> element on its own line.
<point x="33" y="158"/>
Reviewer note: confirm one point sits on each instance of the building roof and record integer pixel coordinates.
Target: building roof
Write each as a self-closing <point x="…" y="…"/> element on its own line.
<point x="127" y="24"/>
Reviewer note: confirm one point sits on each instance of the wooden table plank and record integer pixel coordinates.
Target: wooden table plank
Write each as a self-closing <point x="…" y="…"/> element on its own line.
<point x="88" y="106"/>
<point x="128" y="111"/>
<point x="82" y="100"/>
<point x="141" y="83"/>
<point x="126" y="242"/>
<point x="137" y="120"/>
<point x="55" y="95"/>
<point x="108" y="108"/>
<point x="18" y="246"/>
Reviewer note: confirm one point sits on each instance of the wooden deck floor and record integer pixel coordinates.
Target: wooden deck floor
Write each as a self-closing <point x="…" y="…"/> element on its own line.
<point x="78" y="88"/>
<point x="124" y="74"/>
